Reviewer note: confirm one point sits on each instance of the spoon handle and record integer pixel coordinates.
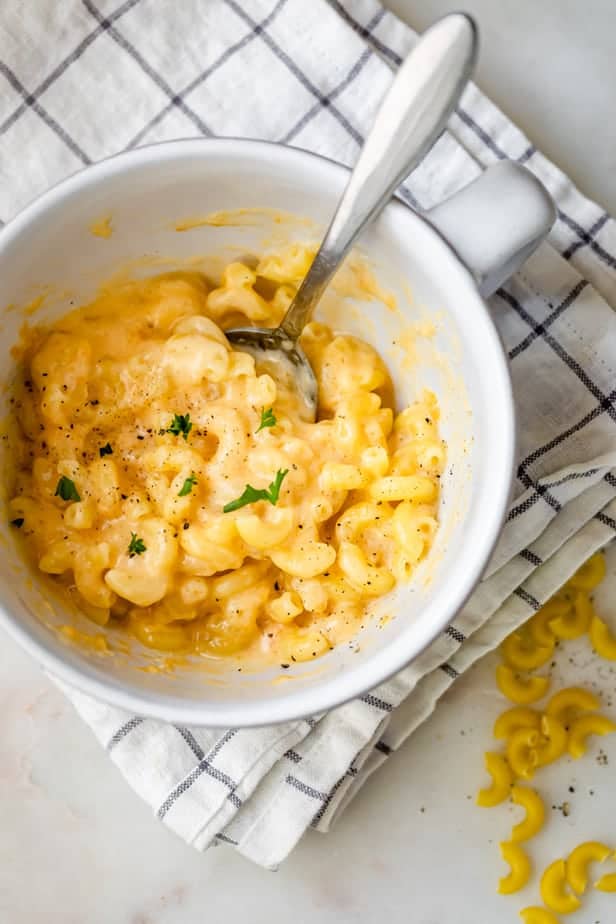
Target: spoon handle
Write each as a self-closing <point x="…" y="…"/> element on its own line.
<point x="411" y="117"/>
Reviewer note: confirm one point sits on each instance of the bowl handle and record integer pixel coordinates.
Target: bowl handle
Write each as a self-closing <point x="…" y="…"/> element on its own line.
<point x="496" y="222"/>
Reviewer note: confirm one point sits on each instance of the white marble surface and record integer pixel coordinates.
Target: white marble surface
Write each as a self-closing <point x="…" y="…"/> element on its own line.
<point x="76" y="845"/>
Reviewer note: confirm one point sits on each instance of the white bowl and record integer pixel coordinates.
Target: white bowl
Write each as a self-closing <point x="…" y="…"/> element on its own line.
<point x="146" y="191"/>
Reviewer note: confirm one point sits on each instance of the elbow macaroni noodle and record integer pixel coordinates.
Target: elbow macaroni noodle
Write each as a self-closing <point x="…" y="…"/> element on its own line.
<point x="520" y="868"/>
<point x="607" y="883"/>
<point x="531" y="801"/>
<point x="537" y="915"/>
<point x="585" y="725"/>
<point x="580" y="859"/>
<point x="139" y="403"/>
<point x="499" y="790"/>
<point x="555" y="890"/>
<point x="520" y="690"/>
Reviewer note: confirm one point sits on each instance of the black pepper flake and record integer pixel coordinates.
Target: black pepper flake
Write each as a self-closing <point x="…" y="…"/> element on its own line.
<point x="124" y="496"/>
<point x="285" y="667"/>
<point x="186" y="526"/>
<point x="276" y="585"/>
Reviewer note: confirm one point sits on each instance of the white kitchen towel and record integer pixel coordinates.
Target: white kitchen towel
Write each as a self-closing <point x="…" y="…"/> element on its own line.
<point x="83" y="79"/>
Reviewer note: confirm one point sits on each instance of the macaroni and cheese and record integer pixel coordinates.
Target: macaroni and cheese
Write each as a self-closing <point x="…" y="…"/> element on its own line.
<point x="173" y="489"/>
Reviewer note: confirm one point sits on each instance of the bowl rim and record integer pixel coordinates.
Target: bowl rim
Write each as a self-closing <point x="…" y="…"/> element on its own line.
<point x="331" y="692"/>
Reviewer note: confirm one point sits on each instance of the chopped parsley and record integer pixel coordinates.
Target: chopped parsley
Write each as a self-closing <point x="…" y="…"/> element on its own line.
<point x="181" y="424"/>
<point x="252" y="495"/>
<point x="18" y="522"/>
<point x="105" y="450"/>
<point x="66" y="490"/>
<point x="136" y="545"/>
<point x="267" y="419"/>
<point x="188" y="485"/>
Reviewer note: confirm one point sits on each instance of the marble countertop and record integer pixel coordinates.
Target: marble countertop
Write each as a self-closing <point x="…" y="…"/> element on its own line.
<point x="76" y="845"/>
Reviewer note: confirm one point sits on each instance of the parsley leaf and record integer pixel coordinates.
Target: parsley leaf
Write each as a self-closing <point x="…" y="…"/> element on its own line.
<point x="181" y="423"/>
<point x="19" y="522"/>
<point x="136" y="545"/>
<point x="252" y="495"/>
<point x="188" y="485"/>
<point x="66" y="489"/>
<point x="105" y="450"/>
<point x="267" y="419"/>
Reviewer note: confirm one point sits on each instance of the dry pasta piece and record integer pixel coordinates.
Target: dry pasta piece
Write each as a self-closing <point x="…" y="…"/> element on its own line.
<point x="590" y="574"/>
<point x="554" y="889"/>
<point x="553" y="743"/>
<point x="520" y="868"/>
<point x="531" y="801"/>
<point x="519" y="690"/>
<point x="516" y="717"/>
<point x="523" y="653"/>
<point x="522" y="752"/>
<point x="498" y="791"/>
<point x="607" y="882"/>
<point x="539" y="625"/>
<point x="568" y="703"/>
<point x="534" y="914"/>
<point x="576" y="623"/>
<point x="585" y="725"/>
<point x="602" y="640"/>
<point x="580" y="859"/>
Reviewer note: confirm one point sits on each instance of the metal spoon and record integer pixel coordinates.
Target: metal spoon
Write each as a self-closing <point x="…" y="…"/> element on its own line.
<point x="413" y="114"/>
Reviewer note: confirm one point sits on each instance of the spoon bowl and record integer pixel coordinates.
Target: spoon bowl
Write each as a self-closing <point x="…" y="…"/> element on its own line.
<point x="281" y="355"/>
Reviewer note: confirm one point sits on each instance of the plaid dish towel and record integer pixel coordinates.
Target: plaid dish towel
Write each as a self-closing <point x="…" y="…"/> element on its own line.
<point x="83" y="79"/>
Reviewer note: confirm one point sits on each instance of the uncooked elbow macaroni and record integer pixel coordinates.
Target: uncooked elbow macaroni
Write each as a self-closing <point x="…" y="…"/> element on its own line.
<point x="534" y="738"/>
<point x="174" y="489"/>
<point x="555" y="890"/>
<point x="500" y="787"/>
<point x="520" y="868"/>
<point x="578" y="861"/>
<point x="534" y="819"/>
<point x="520" y="690"/>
